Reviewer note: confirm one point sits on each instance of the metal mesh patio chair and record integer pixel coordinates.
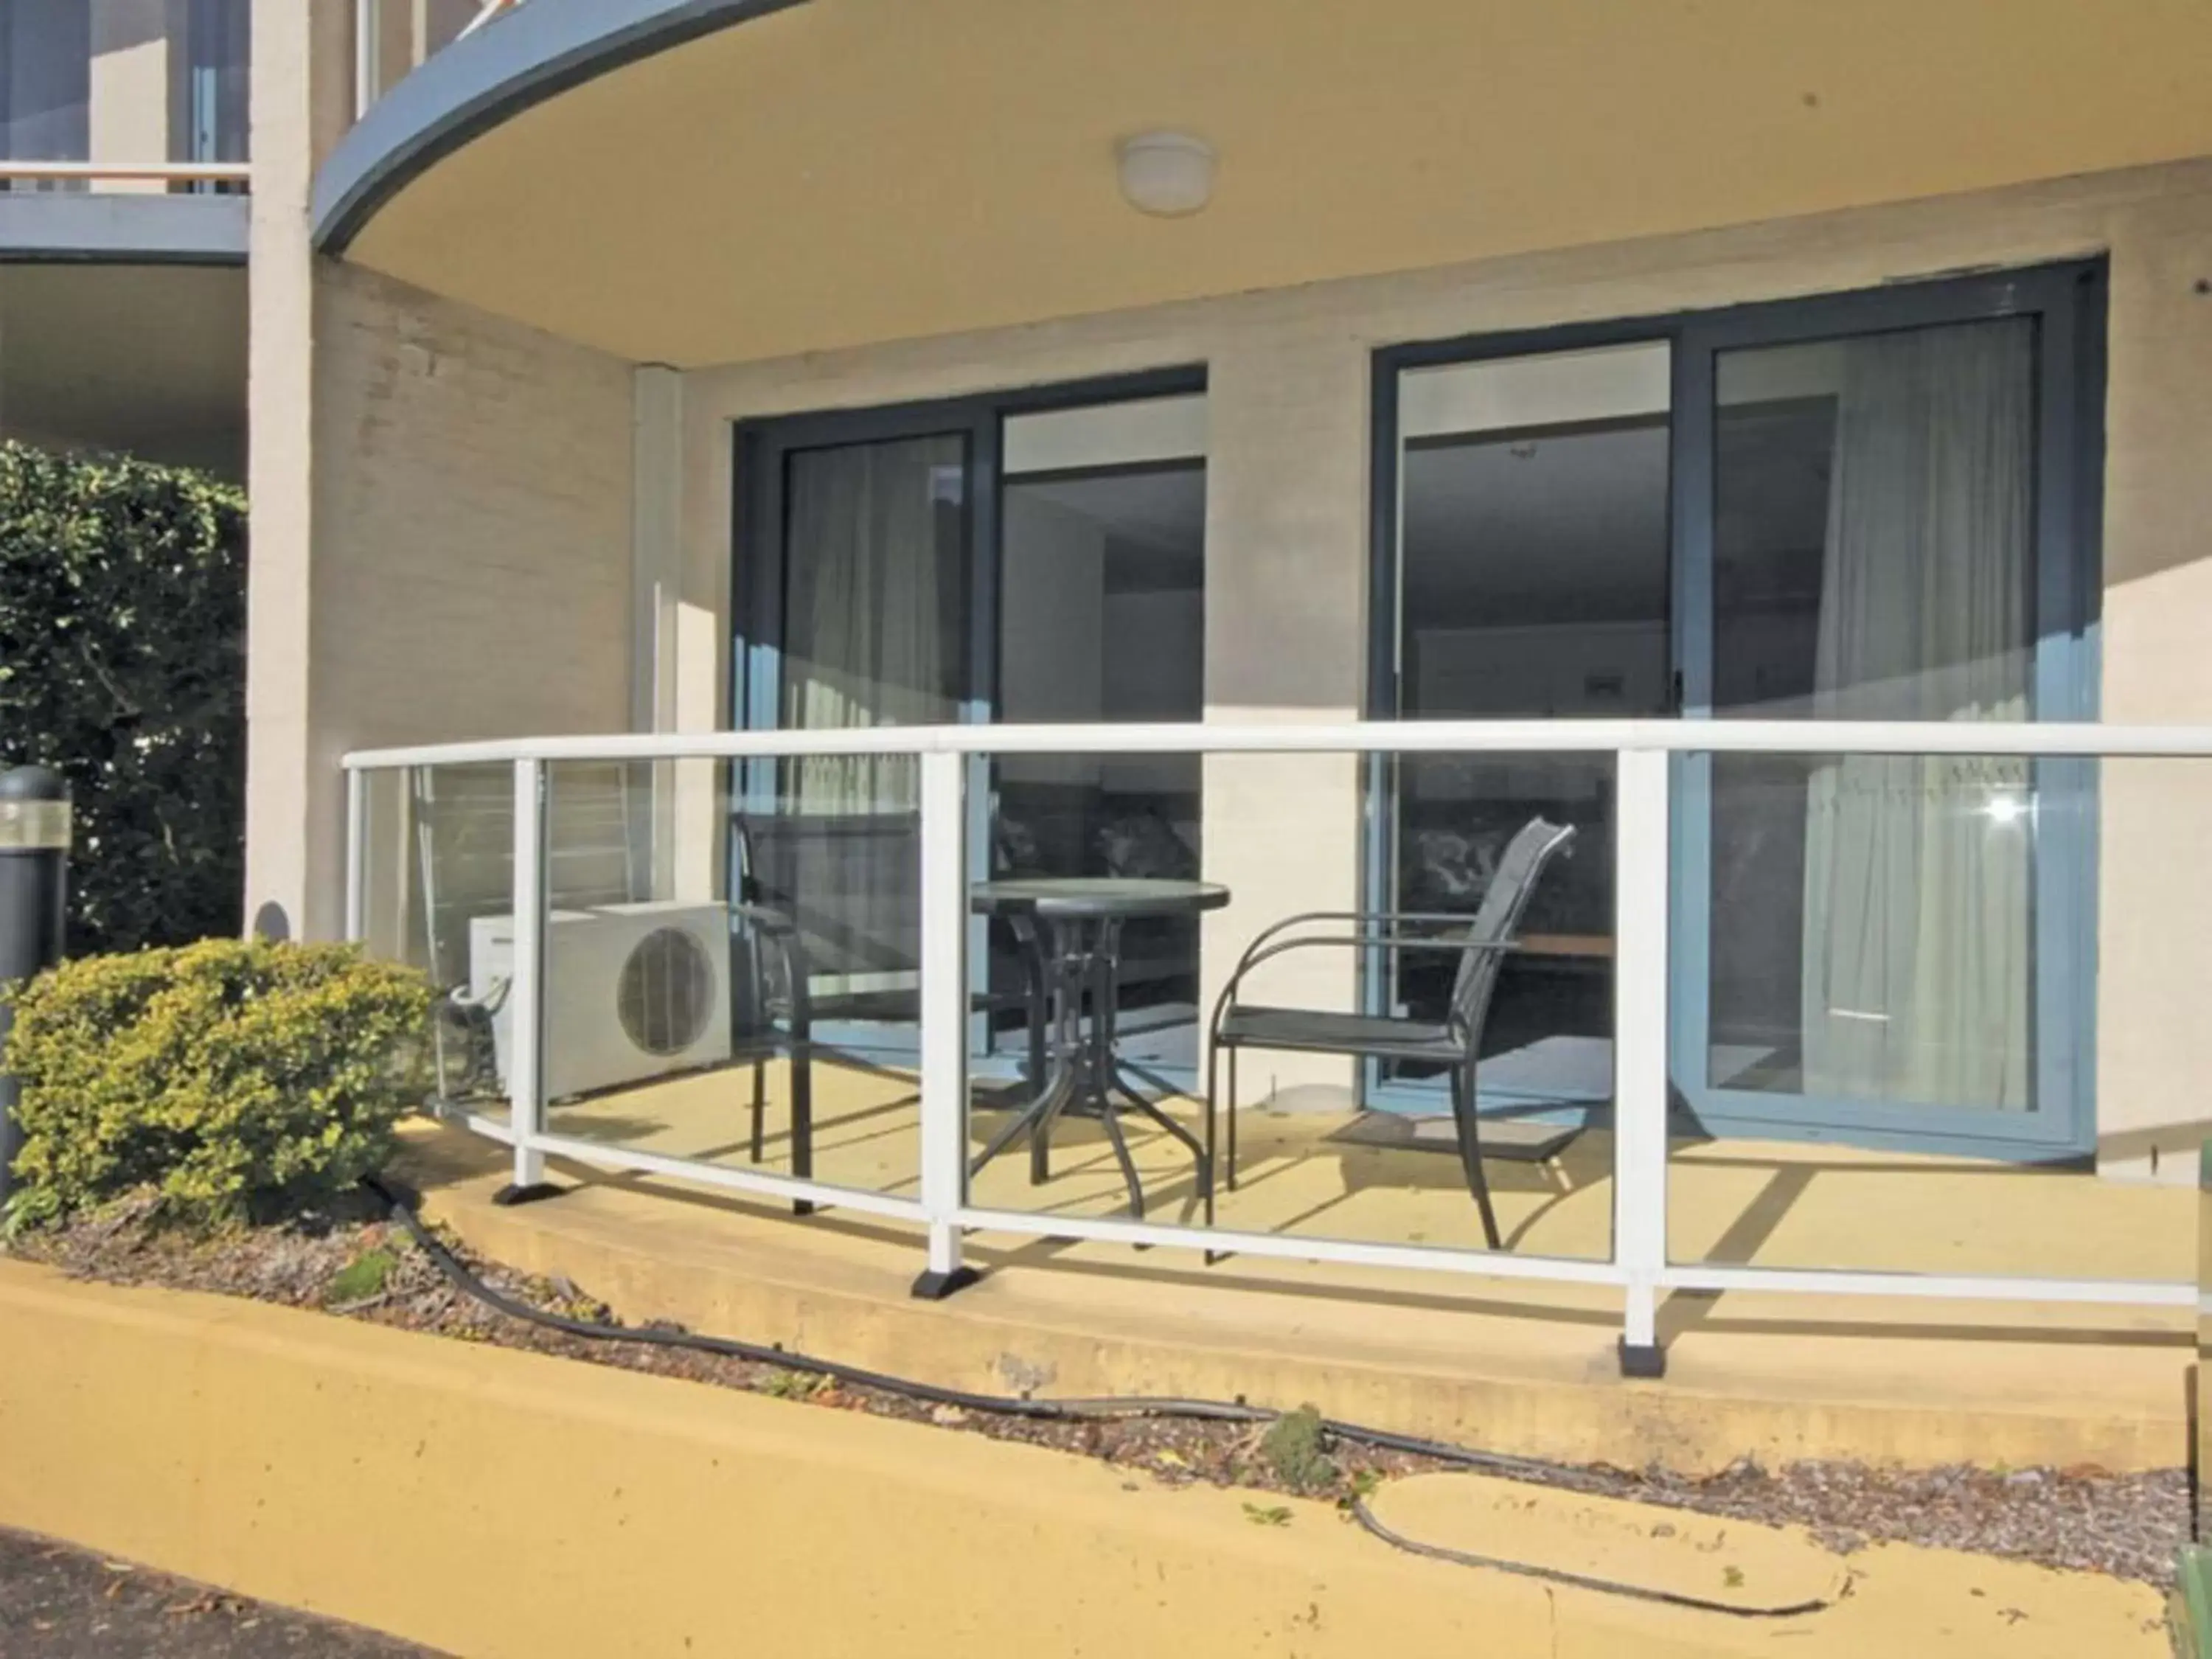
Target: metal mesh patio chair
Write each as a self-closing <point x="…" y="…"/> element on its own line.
<point x="1452" y="1043"/>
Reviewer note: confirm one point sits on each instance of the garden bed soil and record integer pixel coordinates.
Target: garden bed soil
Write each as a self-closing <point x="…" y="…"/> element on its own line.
<point x="2128" y="1525"/>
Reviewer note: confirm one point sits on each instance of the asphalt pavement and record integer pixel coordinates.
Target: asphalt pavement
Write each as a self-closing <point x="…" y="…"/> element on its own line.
<point x="60" y="1602"/>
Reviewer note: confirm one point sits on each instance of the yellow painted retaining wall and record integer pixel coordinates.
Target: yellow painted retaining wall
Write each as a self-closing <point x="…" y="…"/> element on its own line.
<point x="492" y="1502"/>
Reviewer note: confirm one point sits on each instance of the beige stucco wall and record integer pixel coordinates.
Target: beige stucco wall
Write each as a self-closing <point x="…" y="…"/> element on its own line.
<point x="467" y="559"/>
<point x="1287" y="533"/>
<point x="441" y="507"/>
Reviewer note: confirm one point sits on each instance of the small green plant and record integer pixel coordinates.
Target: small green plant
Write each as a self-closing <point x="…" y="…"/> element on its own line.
<point x="1295" y="1448"/>
<point x="1271" y="1514"/>
<point x="794" y="1385"/>
<point x="1363" y="1486"/>
<point x="233" y="1079"/>
<point x="360" y="1278"/>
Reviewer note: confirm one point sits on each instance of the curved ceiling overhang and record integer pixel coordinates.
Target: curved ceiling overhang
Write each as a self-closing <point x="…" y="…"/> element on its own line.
<point x="534" y="52"/>
<point x="846" y="172"/>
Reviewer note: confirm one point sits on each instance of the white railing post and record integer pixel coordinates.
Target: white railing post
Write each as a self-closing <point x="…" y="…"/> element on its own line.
<point x="525" y="996"/>
<point x="944" y="1017"/>
<point x="1641" y="876"/>
<point x="357" y="856"/>
<point x="367" y="55"/>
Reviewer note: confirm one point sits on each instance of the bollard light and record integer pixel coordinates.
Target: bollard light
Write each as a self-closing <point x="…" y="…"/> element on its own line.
<point x="33" y="825"/>
<point x="34" y="841"/>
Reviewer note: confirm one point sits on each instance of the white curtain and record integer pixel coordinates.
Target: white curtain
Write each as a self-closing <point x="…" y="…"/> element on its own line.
<point x="1918" y="871"/>
<point x="866" y="638"/>
<point x="874" y="585"/>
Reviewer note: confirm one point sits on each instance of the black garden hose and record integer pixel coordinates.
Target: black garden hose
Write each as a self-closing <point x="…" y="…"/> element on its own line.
<point x="1095" y="1409"/>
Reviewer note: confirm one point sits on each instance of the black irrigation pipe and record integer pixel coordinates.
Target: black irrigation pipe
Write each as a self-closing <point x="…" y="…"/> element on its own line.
<point x="1095" y="1409"/>
<point x="1365" y="1516"/>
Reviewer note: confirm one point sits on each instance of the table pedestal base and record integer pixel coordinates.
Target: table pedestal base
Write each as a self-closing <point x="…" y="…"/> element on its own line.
<point x="1079" y="963"/>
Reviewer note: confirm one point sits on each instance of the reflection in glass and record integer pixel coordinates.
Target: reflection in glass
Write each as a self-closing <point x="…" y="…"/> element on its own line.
<point x="45" y="84"/>
<point x="1101" y="618"/>
<point x="875" y="580"/>
<point x="1533" y="583"/>
<point x="1874" y="548"/>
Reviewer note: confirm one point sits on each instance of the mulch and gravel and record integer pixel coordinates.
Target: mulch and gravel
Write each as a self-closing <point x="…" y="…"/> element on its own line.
<point x="358" y="1267"/>
<point x="61" y="1602"/>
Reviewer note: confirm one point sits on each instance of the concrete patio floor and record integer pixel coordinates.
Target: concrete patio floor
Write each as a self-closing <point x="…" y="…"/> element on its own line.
<point x="1519" y="1365"/>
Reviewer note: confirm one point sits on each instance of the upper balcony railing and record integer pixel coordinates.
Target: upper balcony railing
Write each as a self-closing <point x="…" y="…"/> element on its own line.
<point x="393" y="38"/>
<point x="1760" y="920"/>
<point x="161" y="116"/>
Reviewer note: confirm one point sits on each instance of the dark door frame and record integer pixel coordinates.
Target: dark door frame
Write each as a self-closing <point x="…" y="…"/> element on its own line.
<point x="2068" y="300"/>
<point x="762" y="447"/>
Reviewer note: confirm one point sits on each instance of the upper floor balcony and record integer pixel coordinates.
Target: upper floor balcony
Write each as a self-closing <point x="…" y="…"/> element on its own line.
<point x="393" y="38"/>
<point x="123" y="130"/>
<point x="137" y="96"/>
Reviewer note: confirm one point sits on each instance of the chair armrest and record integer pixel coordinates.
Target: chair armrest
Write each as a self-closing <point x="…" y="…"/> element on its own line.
<point x="1358" y="918"/>
<point x="779" y="931"/>
<point x="1358" y="941"/>
<point x="769" y="920"/>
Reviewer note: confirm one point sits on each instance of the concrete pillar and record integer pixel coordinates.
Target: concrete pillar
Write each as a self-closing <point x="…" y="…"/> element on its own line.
<point x="1285" y="641"/>
<point x="683" y="791"/>
<point x="656" y="545"/>
<point x="2154" y="1047"/>
<point x="301" y="93"/>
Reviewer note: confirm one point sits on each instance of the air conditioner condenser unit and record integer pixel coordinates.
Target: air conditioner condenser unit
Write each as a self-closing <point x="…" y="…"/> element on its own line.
<point x="631" y="992"/>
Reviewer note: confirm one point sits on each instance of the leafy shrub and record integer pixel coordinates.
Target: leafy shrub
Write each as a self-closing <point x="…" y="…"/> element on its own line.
<point x="233" y="1078"/>
<point x="1295" y="1447"/>
<point x="123" y="666"/>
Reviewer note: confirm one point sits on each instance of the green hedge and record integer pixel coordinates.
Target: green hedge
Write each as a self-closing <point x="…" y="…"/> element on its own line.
<point x="236" y="1079"/>
<point x="122" y="665"/>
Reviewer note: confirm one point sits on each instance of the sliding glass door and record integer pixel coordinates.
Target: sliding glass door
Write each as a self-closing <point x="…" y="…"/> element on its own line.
<point x="856" y="614"/>
<point x="1101" y="580"/>
<point x="1529" y="580"/>
<point x="1870" y="506"/>
<point x="1885" y="517"/>
<point x="1034" y="557"/>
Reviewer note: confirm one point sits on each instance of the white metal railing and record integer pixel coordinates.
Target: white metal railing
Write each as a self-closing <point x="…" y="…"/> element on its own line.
<point x="372" y="50"/>
<point x="99" y="172"/>
<point x="1638" y="1265"/>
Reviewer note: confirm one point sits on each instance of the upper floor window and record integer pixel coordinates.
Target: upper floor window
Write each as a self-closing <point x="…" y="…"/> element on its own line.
<point x="45" y="80"/>
<point x="126" y="89"/>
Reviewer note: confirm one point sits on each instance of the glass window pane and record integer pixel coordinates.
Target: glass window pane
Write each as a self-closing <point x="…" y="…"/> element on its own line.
<point x="45" y="82"/>
<point x="1534" y="582"/>
<point x="1875" y="559"/>
<point x="1102" y="618"/>
<point x="875" y="588"/>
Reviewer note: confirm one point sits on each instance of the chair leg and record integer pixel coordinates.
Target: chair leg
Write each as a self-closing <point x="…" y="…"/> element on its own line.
<point x="1212" y="1101"/>
<point x="760" y="1104"/>
<point x="1470" y="1148"/>
<point x="1231" y="1120"/>
<point x="802" y="1117"/>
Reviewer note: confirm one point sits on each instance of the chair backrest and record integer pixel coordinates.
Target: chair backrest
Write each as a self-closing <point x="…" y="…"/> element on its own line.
<point x="1504" y="903"/>
<point x="851" y="882"/>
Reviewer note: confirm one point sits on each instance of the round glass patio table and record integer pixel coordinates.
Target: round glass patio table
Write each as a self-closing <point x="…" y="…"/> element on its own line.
<point x="1069" y="929"/>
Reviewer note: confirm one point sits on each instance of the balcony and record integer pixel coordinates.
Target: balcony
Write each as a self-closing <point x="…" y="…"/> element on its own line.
<point x="746" y="1030"/>
<point x="123" y="173"/>
<point x="394" y="38"/>
<point x="119" y="97"/>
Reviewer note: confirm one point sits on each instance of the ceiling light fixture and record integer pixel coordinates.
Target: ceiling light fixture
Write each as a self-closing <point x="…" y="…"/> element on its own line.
<point x="1167" y="173"/>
